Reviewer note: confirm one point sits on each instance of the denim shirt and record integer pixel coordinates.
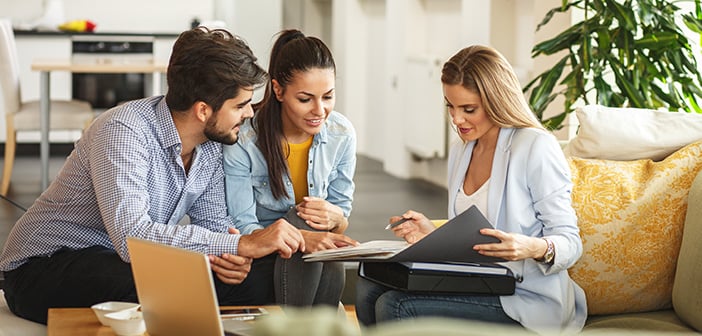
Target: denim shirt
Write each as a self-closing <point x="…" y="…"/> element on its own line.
<point x="330" y="170"/>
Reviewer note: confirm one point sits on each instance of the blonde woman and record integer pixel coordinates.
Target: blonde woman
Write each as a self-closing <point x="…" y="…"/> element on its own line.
<point x="515" y="173"/>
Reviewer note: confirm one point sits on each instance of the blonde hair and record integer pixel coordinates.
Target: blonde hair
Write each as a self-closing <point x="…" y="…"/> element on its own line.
<point x="485" y="71"/>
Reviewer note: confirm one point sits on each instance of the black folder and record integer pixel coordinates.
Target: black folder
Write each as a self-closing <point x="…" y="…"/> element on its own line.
<point x="409" y="277"/>
<point x="442" y="262"/>
<point x="451" y="242"/>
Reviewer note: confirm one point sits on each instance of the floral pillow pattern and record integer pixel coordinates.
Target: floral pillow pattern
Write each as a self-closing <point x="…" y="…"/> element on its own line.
<point x="631" y="216"/>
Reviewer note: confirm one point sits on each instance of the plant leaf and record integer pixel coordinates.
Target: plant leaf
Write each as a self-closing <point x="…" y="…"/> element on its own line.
<point x="539" y="98"/>
<point x="565" y="6"/>
<point x="657" y="41"/>
<point x="625" y="15"/>
<point x="562" y="41"/>
<point x="692" y="23"/>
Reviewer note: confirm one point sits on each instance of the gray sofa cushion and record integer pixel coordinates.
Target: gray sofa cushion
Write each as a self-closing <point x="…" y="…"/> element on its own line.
<point x="687" y="288"/>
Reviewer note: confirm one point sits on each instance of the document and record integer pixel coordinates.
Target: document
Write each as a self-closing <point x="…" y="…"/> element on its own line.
<point x="469" y="268"/>
<point x="375" y="249"/>
<point x="451" y="242"/>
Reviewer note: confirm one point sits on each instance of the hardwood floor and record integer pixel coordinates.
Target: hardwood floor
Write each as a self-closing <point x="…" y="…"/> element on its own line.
<point x="377" y="197"/>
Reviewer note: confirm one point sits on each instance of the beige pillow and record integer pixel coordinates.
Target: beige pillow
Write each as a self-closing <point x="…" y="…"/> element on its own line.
<point x="631" y="216"/>
<point x="632" y="134"/>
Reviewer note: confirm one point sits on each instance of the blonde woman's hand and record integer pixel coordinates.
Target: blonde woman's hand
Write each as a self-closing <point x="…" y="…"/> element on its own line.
<point x="512" y="246"/>
<point x="415" y="228"/>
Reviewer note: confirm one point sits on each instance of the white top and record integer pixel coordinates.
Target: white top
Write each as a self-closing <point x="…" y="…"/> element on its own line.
<point x="479" y="198"/>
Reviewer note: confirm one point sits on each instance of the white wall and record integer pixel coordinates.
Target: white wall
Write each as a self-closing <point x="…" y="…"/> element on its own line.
<point x="378" y="35"/>
<point x="257" y="22"/>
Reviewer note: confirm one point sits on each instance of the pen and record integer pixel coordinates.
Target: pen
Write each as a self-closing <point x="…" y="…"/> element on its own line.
<point x="394" y="224"/>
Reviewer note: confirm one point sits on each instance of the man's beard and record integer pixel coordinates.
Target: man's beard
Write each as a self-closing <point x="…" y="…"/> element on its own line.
<point x="223" y="137"/>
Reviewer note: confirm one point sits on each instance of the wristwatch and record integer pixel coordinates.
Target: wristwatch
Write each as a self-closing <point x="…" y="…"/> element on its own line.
<point x="550" y="252"/>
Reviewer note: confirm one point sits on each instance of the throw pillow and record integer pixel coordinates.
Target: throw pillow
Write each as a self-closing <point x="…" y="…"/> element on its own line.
<point x="649" y="134"/>
<point x="631" y="216"/>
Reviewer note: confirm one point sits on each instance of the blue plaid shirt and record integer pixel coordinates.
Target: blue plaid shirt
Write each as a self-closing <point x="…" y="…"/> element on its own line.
<point x="125" y="178"/>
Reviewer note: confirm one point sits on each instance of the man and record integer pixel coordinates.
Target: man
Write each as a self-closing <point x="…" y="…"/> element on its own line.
<point x="138" y="170"/>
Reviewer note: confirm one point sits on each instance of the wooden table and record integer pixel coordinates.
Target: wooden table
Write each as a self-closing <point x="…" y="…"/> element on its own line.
<point x="82" y="321"/>
<point x="46" y="66"/>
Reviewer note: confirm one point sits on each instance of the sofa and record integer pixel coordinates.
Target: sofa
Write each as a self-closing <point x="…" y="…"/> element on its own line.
<point x="637" y="191"/>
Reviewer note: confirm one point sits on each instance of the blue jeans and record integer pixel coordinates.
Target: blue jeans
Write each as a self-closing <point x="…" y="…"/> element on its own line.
<point x="376" y="303"/>
<point x="300" y="284"/>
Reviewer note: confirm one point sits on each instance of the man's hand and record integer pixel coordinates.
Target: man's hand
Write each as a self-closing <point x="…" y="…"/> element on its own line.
<point x="317" y="241"/>
<point x="229" y="268"/>
<point x="321" y="215"/>
<point x="279" y="237"/>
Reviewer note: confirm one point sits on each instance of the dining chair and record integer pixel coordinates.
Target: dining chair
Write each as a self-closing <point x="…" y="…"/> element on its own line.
<point x="25" y="116"/>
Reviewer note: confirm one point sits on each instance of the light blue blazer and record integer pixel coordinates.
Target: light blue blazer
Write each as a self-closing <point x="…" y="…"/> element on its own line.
<point x="529" y="193"/>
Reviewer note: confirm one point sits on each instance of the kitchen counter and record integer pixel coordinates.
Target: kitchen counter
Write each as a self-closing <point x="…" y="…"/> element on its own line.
<point x="41" y="33"/>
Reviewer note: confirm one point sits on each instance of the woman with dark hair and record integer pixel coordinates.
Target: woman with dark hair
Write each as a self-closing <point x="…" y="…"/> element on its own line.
<point x="515" y="173"/>
<point x="296" y="157"/>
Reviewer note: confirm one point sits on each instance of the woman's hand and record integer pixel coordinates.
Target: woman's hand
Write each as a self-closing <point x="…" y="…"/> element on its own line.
<point x="416" y="228"/>
<point x="318" y="241"/>
<point x="512" y="246"/>
<point x="321" y="215"/>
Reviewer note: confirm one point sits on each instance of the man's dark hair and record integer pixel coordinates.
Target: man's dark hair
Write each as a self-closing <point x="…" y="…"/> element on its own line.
<point x="210" y="66"/>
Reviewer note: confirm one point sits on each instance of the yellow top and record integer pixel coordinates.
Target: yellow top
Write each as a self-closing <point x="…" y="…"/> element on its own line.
<point x="297" y="163"/>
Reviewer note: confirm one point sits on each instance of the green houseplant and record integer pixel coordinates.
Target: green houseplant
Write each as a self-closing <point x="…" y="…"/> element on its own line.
<point x="623" y="53"/>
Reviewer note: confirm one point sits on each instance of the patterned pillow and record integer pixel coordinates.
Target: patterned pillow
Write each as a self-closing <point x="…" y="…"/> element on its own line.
<point x="631" y="216"/>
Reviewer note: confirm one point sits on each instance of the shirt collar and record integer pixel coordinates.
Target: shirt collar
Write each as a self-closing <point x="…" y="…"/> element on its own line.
<point x="323" y="135"/>
<point x="165" y="127"/>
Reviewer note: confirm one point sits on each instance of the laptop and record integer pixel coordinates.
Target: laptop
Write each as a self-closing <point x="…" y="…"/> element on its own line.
<point x="176" y="292"/>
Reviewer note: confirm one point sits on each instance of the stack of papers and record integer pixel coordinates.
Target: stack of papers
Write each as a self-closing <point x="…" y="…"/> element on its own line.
<point x="376" y="249"/>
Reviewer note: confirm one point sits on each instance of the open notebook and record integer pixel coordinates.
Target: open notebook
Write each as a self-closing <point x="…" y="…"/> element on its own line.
<point x="176" y="292"/>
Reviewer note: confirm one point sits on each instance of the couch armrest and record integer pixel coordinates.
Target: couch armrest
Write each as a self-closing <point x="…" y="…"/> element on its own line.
<point x="687" y="288"/>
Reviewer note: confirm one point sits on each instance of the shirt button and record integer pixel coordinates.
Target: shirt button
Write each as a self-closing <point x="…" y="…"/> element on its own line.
<point x="311" y="185"/>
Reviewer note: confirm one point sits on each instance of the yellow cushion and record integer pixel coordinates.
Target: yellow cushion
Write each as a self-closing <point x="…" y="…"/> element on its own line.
<point x="439" y="222"/>
<point x="631" y="216"/>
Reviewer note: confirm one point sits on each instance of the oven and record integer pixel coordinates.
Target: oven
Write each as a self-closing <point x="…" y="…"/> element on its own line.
<point x="105" y="90"/>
